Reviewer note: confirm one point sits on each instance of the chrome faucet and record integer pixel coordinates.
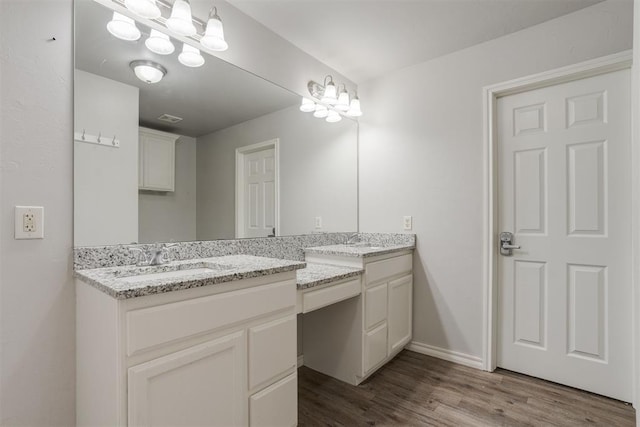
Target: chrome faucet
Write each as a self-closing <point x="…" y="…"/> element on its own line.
<point x="157" y="256"/>
<point x="352" y="238"/>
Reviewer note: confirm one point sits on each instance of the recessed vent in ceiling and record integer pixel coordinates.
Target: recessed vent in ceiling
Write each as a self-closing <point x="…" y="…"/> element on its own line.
<point x="169" y="118"/>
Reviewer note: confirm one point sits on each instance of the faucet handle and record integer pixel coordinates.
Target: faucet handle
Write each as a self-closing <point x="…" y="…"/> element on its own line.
<point x="141" y="258"/>
<point x="166" y="251"/>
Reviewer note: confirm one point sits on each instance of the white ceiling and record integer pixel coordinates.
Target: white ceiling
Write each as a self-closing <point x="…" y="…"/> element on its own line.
<point x="365" y="39"/>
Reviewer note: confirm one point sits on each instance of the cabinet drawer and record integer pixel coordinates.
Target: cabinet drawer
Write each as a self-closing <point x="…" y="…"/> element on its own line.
<point x="272" y="350"/>
<point x="380" y="270"/>
<point x="375" y="303"/>
<point x="312" y="300"/>
<point x="152" y="326"/>
<point x="277" y="405"/>
<point x="375" y="347"/>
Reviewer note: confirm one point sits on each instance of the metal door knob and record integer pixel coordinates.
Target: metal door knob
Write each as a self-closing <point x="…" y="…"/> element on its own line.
<point x="506" y="243"/>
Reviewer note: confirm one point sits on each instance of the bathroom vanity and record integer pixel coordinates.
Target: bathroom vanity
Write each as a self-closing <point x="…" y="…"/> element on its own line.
<point x="352" y="339"/>
<point x="188" y="343"/>
<point x="212" y="340"/>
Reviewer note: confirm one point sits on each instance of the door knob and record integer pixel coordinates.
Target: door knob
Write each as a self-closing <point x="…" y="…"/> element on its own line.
<point x="506" y="244"/>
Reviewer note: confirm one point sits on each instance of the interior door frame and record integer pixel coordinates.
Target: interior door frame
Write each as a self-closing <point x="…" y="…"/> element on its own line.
<point x="240" y="153"/>
<point x="603" y="65"/>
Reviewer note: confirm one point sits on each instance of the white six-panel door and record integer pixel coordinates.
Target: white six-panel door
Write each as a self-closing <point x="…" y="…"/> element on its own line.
<point x="565" y="297"/>
<point x="259" y="193"/>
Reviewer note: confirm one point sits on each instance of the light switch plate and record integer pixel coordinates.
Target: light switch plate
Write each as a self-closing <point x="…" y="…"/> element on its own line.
<point x="29" y="222"/>
<point x="318" y="222"/>
<point x="407" y="223"/>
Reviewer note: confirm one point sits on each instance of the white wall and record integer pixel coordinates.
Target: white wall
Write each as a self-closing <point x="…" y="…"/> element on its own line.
<point x="318" y="175"/>
<point x="37" y="320"/>
<point x="165" y="217"/>
<point x="421" y="155"/>
<point x="105" y="178"/>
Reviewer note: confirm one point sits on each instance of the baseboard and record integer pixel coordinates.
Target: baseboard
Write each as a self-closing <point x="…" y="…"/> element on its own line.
<point x="300" y="360"/>
<point x="445" y="354"/>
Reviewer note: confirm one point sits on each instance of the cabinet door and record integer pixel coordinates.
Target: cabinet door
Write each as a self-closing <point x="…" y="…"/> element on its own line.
<point x="399" y="317"/>
<point x="375" y="347"/>
<point x="277" y="405"/>
<point x="202" y="385"/>
<point x="375" y="302"/>
<point x="157" y="162"/>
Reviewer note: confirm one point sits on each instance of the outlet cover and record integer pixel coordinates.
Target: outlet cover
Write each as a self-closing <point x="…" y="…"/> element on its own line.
<point x="29" y="222"/>
<point x="407" y="223"/>
<point x="318" y="222"/>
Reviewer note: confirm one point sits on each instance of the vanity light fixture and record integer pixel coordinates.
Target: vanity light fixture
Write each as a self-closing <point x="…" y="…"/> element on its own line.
<point x="324" y="103"/>
<point x="354" y="107"/>
<point x="213" y="37"/>
<point x="190" y="56"/>
<point x="123" y="27"/>
<point x="333" y="116"/>
<point x="329" y="95"/>
<point x="159" y="43"/>
<point x="343" y="100"/>
<point x="145" y="8"/>
<point x="307" y="105"/>
<point x="320" y="111"/>
<point x="148" y="71"/>
<point x="181" y="21"/>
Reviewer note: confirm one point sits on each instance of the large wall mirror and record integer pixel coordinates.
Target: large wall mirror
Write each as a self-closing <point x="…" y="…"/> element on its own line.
<point x="209" y="152"/>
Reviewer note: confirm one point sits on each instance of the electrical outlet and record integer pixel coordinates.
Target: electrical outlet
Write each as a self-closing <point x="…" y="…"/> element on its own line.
<point x="29" y="222"/>
<point x="407" y="223"/>
<point x="318" y="222"/>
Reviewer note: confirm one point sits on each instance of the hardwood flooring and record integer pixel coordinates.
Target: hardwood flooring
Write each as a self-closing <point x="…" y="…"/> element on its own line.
<point x="418" y="390"/>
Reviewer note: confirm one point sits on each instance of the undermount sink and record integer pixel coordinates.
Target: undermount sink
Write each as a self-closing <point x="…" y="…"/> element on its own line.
<point x="169" y="272"/>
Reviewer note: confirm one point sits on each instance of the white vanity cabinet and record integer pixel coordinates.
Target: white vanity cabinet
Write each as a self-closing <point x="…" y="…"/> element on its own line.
<point x="219" y="355"/>
<point x="367" y="331"/>
<point x="156" y="160"/>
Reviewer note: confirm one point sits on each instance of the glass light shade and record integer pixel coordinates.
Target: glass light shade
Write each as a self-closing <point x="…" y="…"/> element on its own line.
<point x="213" y="37"/>
<point x="329" y="95"/>
<point x="180" y="20"/>
<point x="123" y="27"/>
<point x="148" y="71"/>
<point x="333" y="117"/>
<point x="343" y="101"/>
<point x="354" y="108"/>
<point x="145" y="8"/>
<point x="321" y="111"/>
<point x="190" y="56"/>
<point x="159" y="43"/>
<point x="307" y="105"/>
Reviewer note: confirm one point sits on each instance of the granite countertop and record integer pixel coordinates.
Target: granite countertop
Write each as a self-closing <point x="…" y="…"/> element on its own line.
<point x="321" y="274"/>
<point x="357" y="250"/>
<point x="130" y="281"/>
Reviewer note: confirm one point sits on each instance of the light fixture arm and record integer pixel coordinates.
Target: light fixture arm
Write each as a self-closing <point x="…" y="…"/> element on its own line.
<point x="213" y="13"/>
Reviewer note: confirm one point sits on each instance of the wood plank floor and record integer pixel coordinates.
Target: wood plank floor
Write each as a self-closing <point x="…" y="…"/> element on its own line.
<point x="418" y="390"/>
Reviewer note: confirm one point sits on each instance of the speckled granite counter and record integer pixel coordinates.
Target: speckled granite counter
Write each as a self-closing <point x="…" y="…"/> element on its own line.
<point x="359" y="251"/>
<point x="321" y="274"/>
<point x="130" y="281"/>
